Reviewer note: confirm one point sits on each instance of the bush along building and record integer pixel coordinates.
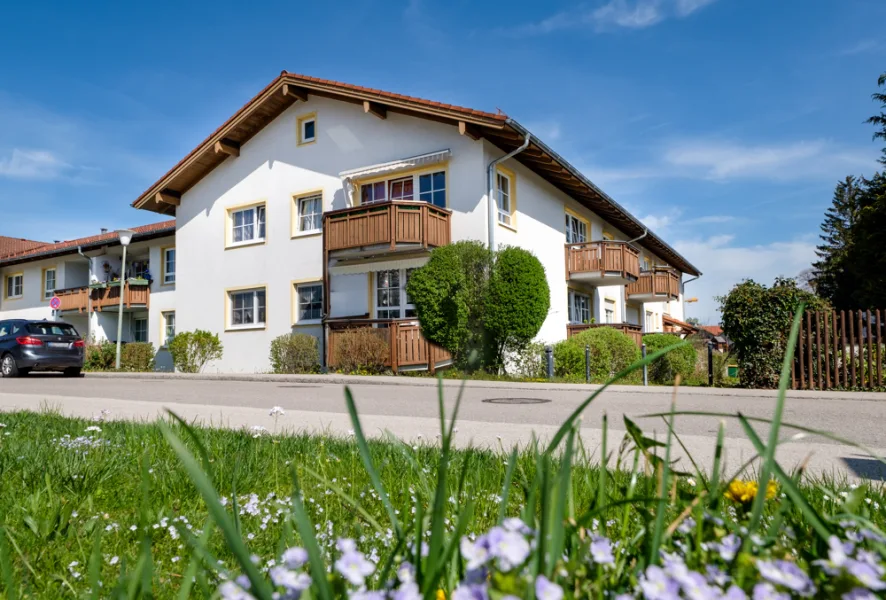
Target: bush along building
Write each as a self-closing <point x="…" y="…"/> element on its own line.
<point x="309" y="208"/>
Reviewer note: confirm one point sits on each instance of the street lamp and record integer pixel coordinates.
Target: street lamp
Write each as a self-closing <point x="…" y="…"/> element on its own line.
<point x="125" y="236"/>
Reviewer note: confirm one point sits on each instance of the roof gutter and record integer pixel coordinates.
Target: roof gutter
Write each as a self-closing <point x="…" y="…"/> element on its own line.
<point x="492" y="214"/>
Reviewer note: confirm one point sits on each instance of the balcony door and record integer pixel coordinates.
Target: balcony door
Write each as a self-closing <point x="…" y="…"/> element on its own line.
<point x="431" y="189"/>
<point x="391" y="299"/>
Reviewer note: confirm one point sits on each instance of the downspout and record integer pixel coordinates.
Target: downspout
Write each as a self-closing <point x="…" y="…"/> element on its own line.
<point x="637" y="239"/>
<point x="492" y="215"/>
<point x="88" y="294"/>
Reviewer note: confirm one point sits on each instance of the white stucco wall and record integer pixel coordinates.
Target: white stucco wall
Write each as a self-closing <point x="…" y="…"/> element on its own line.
<point x="31" y="305"/>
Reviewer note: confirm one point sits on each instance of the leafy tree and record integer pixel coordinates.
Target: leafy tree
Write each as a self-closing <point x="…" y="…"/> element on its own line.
<point x="694" y="321"/>
<point x="449" y="293"/>
<point x="879" y="120"/>
<point x="191" y="350"/>
<point x="758" y="321"/>
<point x="834" y="273"/>
<point x="470" y="299"/>
<point x="517" y="302"/>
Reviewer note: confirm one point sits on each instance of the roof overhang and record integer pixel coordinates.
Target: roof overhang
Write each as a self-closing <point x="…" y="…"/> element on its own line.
<point x="289" y="88"/>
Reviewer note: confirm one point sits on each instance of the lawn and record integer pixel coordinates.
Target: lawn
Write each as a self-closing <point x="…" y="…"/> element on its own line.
<point x="107" y="508"/>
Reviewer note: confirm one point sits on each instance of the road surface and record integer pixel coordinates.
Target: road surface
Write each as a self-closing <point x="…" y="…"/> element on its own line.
<point x="492" y="414"/>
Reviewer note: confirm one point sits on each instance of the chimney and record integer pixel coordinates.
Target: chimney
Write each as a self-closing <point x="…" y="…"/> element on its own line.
<point x="104" y="230"/>
<point x="56" y="241"/>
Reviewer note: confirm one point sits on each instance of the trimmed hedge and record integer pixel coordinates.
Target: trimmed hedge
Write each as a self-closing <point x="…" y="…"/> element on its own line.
<point x="295" y="353"/>
<point x="191" y="350"/>
<point x="361" y="350"/>
<point x="680" y="361"/>
<point x="611" y="352"/>
<point x="137" y="357"/>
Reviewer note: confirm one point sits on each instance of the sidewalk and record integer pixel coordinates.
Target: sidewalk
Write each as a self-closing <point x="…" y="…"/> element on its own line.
<point x="427" y="382"/>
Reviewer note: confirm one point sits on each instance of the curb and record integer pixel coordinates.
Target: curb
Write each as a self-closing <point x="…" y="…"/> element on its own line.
<point x="426" y="382"/>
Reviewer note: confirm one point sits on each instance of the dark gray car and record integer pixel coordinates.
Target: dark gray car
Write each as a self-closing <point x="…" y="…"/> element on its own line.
<point x="27" y="346"/>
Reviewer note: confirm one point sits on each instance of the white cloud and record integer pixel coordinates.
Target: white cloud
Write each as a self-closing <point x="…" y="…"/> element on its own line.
<point x="33" y="164"/>
<point x="614" y="14"/>
<point x="725" y="160"/>
<point x="860" y="47"/>
<point x="725" y="263"/>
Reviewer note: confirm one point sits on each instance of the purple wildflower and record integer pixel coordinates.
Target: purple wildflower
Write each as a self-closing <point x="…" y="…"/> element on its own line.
<point x="295" y="557"/>
<point x="470" y="592"/>
<point x="367" y="595"/>
<point x="511" y="549"/>
<point x="716" y="575"/>
<point x="406" y="573"/>
<point x="657" y="585"/>
<point x="516" y="525"/>
<point x="231" y="591"/>
<point x="767" y="591"/>
<point x="601" y="551"/>
<point x="787" y="574"/>
<point x="728" y="547"/>
<point x="354" y="567"/>
<point x="547" y="590"/>
<point x="866" y="574"/>
<point x="476" y="553"/>
<point x="408" y="591"/>
<point x="295" y="583"/>
<point x="735" y="593"/>
<point x="345" y="545"/>
<point x="859" y="594"/>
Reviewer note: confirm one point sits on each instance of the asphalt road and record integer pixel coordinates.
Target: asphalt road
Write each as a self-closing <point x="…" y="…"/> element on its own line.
<point x="491" y="414"/>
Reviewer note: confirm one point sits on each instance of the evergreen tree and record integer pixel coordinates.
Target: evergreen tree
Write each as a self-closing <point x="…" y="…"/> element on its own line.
<point x="879" y="121"/>
<point x="868" y="254"/>
<point x="834" y="275"/>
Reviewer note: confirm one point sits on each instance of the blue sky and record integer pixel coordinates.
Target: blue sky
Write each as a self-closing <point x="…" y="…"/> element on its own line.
<point x="724" y="124"/>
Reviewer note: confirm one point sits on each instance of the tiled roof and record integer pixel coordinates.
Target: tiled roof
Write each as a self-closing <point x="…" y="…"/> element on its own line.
<point x="713" y="329"/>
<point x="71" y="245"/>
<point x="10" y="245"/>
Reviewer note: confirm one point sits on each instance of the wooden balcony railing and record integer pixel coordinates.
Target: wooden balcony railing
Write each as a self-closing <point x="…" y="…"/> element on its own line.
<point x="635" y="332"/>
<point x="391" y="223"/>
<point x="657" y="285"/>
<point x="610" y="259"/>
<point x="135" y="294"/>
<point x="409" y="350"/>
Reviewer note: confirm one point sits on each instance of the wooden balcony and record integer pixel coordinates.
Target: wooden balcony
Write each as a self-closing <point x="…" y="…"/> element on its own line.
<point x="137" y="295"/>
<point x="602" y="263"/>
<point x="635" y="332"/>
<point x="386" y="227"/>
<point x="410" y="350"/>
<point x="659" y="284"/>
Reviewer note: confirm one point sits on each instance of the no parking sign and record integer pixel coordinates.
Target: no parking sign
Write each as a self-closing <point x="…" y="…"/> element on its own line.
<point x="55" y="303"/>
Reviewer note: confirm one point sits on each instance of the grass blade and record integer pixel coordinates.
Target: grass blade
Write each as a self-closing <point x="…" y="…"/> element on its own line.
<point x="348" y="499"/>
<point x="557" y="524"/>
<point x="658" y="529"/>
<point x="506" y="486"/>
<point x="6" y="567"/>
<point x="306" y="531"/>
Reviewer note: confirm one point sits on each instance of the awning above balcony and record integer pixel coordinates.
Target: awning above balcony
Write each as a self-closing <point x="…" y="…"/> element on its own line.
<point x="394" y="166"/>
<point x="381" y="265"/>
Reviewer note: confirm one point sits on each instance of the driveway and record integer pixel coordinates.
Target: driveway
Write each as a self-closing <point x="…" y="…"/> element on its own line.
<point x="492" y="414"/>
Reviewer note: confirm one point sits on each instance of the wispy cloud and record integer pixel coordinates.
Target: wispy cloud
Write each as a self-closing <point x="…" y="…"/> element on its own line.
<point x="860" y="47"/>
<point x="724" y="160"/>
<point x="614" y="14"/>
<point x="33" y="164"/>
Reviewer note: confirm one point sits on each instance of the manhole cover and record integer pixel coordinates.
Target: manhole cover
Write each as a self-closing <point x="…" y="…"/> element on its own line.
<point x="516" y="400"/>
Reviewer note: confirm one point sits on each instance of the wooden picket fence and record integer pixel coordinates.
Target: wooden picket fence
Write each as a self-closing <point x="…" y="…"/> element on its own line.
<point x="839" y="349"/>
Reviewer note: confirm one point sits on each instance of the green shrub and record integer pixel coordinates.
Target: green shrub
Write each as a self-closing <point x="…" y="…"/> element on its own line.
<point x="295" y="353"/>
<point x="100" y="357"/>
<point x="758" y="321"/>
<point x="517" y="303"/>
<point x="137" y="357"/>
<point x="680" y="361"/>
<point x="361" y="350"/>
<point x="611" y="351"/>
<point x="191" y="350"/>
<point x="569" y="359"/>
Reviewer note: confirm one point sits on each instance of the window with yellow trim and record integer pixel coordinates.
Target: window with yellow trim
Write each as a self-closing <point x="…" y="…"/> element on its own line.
<point x="608" y="236"/>
<point x="15" y="286"/>
<point x="49" y="282"/>
<point x="247" y="308"/>
<point x="307" y="129"/>
<point x="609" y="311"/>
<point x="576" y="230"/>
<point x="504" y="197"/>
<point x="247" y="225"/>
<point x="431" y="189"/>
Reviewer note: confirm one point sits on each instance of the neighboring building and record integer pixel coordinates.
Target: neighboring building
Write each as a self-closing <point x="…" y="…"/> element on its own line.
<point x="10" y="245"/>
<point x="87" y="289"/>
<point x="714" y="333"/>
<point x="307" y="210"/>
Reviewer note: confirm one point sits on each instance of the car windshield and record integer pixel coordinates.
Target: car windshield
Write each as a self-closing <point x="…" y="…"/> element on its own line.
<point x="51" y="329"/>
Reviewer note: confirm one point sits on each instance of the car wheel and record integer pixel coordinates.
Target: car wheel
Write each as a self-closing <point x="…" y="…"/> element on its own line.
<point x="8" y="368"/>
<point x="72" y="372"/>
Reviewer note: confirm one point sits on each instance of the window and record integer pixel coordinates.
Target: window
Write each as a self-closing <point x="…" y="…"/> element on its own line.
<point x="310" y="213"/>
<point x="310" y="302"/>
<point x="576" y="230"/>
<point x="650" y="322"/>
<point x="248" y="225"/>
<point x="15" y="285"/>
<point x="432" y="188"/>
<point x="307" y="129"/>
<point x="608" y="236"/>
<point x="401" y="189"/>
<point x="504" y="198"/>
<point x="646" y="265"/>
<point x="247" y="308"/>
<point x="391" y="299"/>
<point x="168" y="326"/>
<point x="49" y="280"/>
<point x="579" y="307"/>
<point x="168" y="265"/>
<point x="140" y="330"/>
<point x="609" y="311"/>
<point x="52" y="329"/>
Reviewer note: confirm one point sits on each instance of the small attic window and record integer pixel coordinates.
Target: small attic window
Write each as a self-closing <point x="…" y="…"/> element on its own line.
<point x="307" y="129"/>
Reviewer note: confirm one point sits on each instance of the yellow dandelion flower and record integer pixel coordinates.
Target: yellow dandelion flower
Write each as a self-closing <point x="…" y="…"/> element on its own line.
<point x="441" y="595"/>
<point x="744" y="492"/>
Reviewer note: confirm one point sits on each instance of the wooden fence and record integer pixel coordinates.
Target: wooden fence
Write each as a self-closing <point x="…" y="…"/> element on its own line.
<point x="839" y="349"/>
<point x="407" y="346"/>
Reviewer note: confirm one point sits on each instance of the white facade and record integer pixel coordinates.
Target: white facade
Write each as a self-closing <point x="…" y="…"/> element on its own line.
<point x="243" y="260"/>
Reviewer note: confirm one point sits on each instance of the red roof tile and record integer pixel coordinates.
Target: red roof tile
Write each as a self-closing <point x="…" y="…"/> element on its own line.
<point x="110" y="236"/>
<point x="713" y="329"/>
<point x="10" y="245"/>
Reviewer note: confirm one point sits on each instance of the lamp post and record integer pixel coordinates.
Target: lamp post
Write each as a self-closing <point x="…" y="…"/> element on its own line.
<point x="125" y="236"/>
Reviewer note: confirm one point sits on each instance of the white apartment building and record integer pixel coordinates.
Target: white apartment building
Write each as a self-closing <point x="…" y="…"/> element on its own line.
<point x="308" y="208"/>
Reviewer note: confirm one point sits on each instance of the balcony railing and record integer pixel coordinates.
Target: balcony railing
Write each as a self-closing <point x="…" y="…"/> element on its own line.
<point x="136" y="294"/>
<point x="599" y="263"/>
<point x="387" y="223"/>
<point x="409" y="350"/>
<point x="659" y="284"/>
<point x="635" y="332"/>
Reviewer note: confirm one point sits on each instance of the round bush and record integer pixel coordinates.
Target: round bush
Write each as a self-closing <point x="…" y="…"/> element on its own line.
<point x="611" y="351"/>
<point x="295" y="353"/>
<point x="137" y="357"/>
<point x="680" y="361"/>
